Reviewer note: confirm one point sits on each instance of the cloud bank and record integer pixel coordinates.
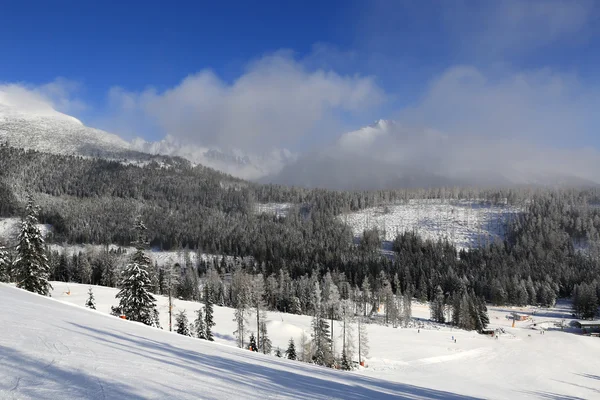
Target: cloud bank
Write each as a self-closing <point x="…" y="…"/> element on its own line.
<point x="275" y="103"/>
<point x="469" y="128"/>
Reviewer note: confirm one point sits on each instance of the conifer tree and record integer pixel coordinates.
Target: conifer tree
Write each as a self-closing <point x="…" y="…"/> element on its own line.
<point x="4" y="265"/>
<point x="290" y="353"/>
<point x="136" y="302"/>
<point x="32" y="268"/>
<point x="345" y="364"/>
<point x="320" y="335"/>
<point x="278" y="353"/>
<point x="181" y="324"/>
<point x="252" y="345"/>
<point x="437" y="306"/>
<point x="90" y="303"/>
<point x="199" y="328"/>
<point x="208" y="315"/>
<point x="265" y="343"/>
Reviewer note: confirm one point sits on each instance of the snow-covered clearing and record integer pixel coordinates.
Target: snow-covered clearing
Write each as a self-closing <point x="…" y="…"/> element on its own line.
<point x="73" y="350"/>
<point x="277" y="209"/>
<point x="467" y="224"/>
<point x="9" y="229"/>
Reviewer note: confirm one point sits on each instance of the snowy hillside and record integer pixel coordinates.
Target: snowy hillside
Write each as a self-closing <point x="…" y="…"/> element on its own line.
<point x="54" y="132"/>
<point x="66" y="351"/>
<point x="47" y="130"/>
<point x="467" y="224"/>
<point x="50" y="350"/>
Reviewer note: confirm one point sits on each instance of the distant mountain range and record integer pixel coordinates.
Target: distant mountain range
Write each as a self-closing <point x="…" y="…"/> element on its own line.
<point x="383" y="155"/>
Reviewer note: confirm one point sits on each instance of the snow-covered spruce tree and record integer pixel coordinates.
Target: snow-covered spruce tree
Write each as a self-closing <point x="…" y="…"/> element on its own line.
<point x="136" y="302"/>
<point x="208" y="314"/>
<point x="32" y="268"/>
<point x="252" y="345"/>
<point x="91" y="302"/>
<point x="265" y="344"/>
<point x="347" y="333"/>
<point x="345" y="364"/>
<point x="4" y="265"/>
<point x="278" y="353"/>
<point x="320" y="333"/>
<point x="182" y="324"/>
<point x="436" y="307"/>
<point x="365" y="296"/>
<point x="199" y="328"/>
<point x="290" y="353"/>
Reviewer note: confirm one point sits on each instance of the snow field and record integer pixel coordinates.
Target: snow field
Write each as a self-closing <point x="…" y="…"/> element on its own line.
<point x="522" y="363"/>
<point x="52" y="350"/>
<point x="467" y="224"/>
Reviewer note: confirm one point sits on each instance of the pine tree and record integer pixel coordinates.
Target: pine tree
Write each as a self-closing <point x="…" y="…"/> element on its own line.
<point x="32" y="268"/>
<point x="265" y="343"/>
<point x="199" y="328"/>
<point x="278" y="353"/>
<point x="345" y="364"/>
<point x="290" y="353"/>
<point x="437" y="306"/>
<point x="90" y="303"/>
<point x="208" y="316"/>
<point x="182" y="324"/>
<point x="4" y="265"/>
<point x="136" y="302"/>
<point x="320" y="335"/>
<point x="252" y="345"/>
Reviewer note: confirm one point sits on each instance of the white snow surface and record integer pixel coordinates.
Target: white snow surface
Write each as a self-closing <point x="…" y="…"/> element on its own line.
<point x="54" y="350"/>
<point x="464" y="223"/>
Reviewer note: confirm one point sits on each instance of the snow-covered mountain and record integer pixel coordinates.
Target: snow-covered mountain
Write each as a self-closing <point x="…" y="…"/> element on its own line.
<point x="384" y="155"/>
<point x="45" y="129"/>
<point x="54" y="132"/>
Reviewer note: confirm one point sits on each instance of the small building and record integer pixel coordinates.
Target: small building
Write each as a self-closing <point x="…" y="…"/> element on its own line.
<point x="588" y="327"/>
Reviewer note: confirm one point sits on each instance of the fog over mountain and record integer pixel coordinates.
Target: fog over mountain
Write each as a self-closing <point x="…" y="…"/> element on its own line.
<point x="467" y="128"/>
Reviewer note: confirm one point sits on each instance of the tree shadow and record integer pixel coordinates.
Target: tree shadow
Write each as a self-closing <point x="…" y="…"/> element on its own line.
<point x="551" y="396"/>
<point x="590" y="376"/>
<point x="280" y="377"/>
<point x="38" y="379"/>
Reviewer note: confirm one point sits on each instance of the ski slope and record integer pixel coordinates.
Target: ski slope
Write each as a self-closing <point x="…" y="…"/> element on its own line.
<point x="71" y="352"/>
<point x="51" y="350"/>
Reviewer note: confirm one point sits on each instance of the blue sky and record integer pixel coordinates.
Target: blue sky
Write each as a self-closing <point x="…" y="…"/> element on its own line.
<point x="298" y="74"/>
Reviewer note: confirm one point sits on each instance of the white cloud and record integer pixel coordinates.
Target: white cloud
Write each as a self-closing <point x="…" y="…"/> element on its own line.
<point x="276" y="103"/>
<point x="526" y="127"/>
<point x="56" y="96"/>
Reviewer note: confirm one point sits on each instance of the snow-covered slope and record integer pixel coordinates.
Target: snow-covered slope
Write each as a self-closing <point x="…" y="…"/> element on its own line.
<point x="52" y="350"/>
<point x="466" y="224"/>
<point x="54" y="132"/>
<point x="45" y="129"/>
